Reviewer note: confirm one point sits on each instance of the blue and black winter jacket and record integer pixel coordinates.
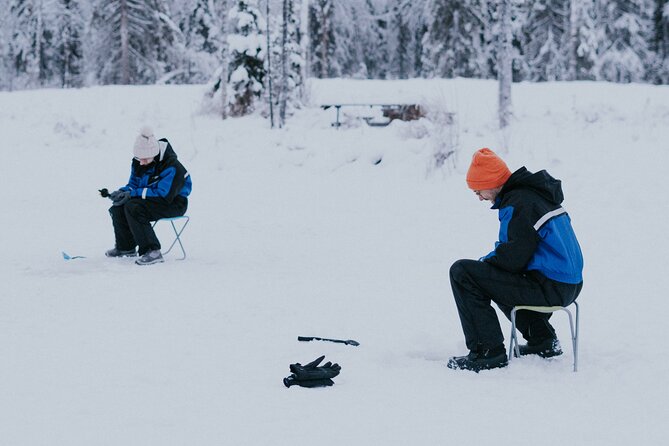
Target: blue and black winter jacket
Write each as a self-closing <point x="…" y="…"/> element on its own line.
<point x="165" y="178"/>
<point x="535" y="230"/>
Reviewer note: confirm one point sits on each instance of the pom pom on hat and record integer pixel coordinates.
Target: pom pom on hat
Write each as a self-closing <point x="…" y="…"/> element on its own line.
<point x="146" y="145"/>
<point x="487" y="171"/>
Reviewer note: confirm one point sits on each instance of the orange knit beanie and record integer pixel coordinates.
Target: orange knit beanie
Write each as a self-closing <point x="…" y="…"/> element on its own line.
<point x="487" y="171"/>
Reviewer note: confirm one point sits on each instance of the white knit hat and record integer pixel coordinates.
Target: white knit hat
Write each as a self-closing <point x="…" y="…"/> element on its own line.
<point x="146" y="145"/>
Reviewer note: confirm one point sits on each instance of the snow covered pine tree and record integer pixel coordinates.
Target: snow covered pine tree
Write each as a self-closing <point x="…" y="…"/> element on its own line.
<point x="247" y="68"/>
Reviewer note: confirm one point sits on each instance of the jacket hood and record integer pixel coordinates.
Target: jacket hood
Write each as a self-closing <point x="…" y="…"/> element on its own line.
<point x="540" y="182"/>
<point x="166" y="152"/>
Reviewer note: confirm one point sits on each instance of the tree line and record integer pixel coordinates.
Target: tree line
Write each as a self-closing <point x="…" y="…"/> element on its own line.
<point x="241" y="47"/>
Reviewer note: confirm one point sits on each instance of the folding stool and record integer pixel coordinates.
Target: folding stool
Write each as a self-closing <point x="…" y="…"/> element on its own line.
<point x="513" y="344"/>
<point x="177" y="232"/>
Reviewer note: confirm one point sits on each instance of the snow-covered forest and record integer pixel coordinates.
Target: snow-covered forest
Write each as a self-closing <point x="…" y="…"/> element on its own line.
<point x="74" y="43"/>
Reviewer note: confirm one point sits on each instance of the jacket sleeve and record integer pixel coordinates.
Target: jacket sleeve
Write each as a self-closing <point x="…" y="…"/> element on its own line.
<point x="518" y="241"/>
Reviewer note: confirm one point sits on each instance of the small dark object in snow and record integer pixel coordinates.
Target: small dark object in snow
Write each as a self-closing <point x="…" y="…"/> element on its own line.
<point x="311" y="375"/>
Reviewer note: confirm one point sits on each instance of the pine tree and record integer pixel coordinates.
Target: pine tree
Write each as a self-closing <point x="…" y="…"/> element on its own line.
<point x="376" y="53"/>
<point x="202" y="27"/>
<point x="136" y="42"/>
<point x="402" y="61"/>
<point x="454" y="44"/>
<point x="584" y="40"/>
<point x="419" y="27"/>
<point x="661" y="24"/>
<point x="624" y="54"/>
<point x="68" y="42"/>
<point x="352" y="27"/>
<point x="6" y="73"/>
<point x="31" y="38"/>
<point x="291" y="61"/>
<point x="546" y="43"/>
<point x="660" y="43"/>
<point x="166" y="45"/>
<point x="520" y="11"/>
<point x="121" y="29"/>
<point x="269" y="87"/>
<point x="322" y="39"/>
<point x="205" y="25"/>
<point x="247" y="56"/>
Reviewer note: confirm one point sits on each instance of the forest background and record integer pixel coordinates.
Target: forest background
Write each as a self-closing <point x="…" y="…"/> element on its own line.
<point x="75" y="43"/>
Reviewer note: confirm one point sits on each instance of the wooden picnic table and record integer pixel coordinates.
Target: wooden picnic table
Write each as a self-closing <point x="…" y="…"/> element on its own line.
<point x="405" y="112"/>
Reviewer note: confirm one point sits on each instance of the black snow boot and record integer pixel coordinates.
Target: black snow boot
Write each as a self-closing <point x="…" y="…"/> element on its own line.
<point x="115" y="252"/>
<point x="480" y="359"/>
<point x="545" y="348"/>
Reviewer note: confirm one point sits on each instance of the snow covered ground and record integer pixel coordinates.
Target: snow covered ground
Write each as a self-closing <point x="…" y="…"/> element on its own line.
<point x="302" y="231"/>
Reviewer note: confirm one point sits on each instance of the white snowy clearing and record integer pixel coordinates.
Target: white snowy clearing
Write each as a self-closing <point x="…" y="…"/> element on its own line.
<point x="300" y="231"/>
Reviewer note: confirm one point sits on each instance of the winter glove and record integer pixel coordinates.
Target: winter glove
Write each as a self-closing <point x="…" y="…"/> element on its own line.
<point x="113" y="196"/>
<point x="311" y="375"/>
<point x="120" y="197"/>
<point x="292" y="381"/>
<point x="311" y="371"/>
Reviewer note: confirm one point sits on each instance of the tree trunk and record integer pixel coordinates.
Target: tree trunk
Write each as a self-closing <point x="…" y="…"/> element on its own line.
<point x="573" y="42"/>
<point x="504" y="63"/>
<point x="225" y="60"/>
<point x="125" y="50"/>
<point x="305" y="45"/>
<point x="39" y="34"/>
<point x="324" y="40"/>
<point x="283" y="88"/>
<point x="269" y="72"/>
<point x="223" y="82"/>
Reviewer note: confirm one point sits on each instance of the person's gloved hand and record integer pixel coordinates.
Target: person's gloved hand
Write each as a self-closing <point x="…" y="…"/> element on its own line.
<point x="311" y="375"/>
<point x="120" y="197"/>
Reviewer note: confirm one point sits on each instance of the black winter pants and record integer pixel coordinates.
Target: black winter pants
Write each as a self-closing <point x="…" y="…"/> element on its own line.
<point x="132" y="221"/>
<point x="475" y="284"/>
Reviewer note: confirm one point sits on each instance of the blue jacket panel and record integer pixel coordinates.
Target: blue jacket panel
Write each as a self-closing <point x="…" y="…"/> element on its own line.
<point x="558" y="255"/>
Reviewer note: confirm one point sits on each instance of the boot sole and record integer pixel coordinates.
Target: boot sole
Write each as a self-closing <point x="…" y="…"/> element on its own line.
<point x="122" y="255"/>
<point x="498" y="362"/>
<point x="544" y="354"/>
<point x="137" y="262"/>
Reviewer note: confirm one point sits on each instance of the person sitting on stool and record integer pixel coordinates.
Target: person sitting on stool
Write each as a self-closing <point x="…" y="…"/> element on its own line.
<point x="158" y="188"/>
<point x="536" y="261"/>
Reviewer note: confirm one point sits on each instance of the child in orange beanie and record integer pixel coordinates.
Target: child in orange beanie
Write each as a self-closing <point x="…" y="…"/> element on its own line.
<point x="536" y="261"/>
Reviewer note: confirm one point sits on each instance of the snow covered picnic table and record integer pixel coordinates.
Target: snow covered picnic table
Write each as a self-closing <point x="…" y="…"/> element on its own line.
<point x="404" y="112"/>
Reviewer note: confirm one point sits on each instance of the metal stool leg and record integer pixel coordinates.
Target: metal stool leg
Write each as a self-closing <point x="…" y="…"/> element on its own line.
<point x="177" y="233"/>
<point x="513" y="344"/>
<point x="575" y="339"/>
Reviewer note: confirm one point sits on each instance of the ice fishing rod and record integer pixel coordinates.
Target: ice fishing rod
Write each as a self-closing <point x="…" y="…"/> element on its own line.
<point x="338" y="341"/>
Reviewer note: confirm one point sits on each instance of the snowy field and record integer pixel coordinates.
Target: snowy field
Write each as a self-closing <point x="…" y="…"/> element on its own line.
<point x="314" y="231"/>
